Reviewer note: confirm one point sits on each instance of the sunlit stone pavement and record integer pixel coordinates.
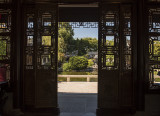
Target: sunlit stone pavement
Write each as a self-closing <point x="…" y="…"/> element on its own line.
<point x="77" y="87"/>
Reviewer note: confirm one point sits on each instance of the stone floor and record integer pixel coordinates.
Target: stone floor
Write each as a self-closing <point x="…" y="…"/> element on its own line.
<point x="85" y="104"/>
<point x="74" y="104"/>
<point x="77" y="98"/>
<point x="77" y="87"/>
<point x="77" y="104"/>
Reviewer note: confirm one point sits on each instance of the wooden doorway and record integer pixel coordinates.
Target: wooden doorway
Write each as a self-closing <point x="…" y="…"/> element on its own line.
<point x="117" y="57"/>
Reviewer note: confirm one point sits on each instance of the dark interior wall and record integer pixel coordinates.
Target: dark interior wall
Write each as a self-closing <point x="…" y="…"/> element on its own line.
<point x="77" y="1"/>
<point x="78" y="14"/>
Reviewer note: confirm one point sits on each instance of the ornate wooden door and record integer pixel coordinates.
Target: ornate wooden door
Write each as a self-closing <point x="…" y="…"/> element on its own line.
<point x="40" y="56"/>
<point x="117" y="57"/>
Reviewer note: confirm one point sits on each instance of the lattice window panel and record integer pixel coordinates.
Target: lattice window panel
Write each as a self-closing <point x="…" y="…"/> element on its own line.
<point x="30" y="41"/>
<point x="109" y="43"/>
<point x="116" y="39"/>
<point x="5" y="48"/>
<point x="154" y="46"/>
<point x="5" y="29"/>
<point x="5" y="40"/>
<point x="127" y="39"/>
<point x="5" y="21"/>
<point x="79" y="25"/>
<point x="46" y="40"/>
<point x="40" y="49"/>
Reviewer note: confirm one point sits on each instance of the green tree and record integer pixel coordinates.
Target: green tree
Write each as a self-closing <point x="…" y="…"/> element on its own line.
<point x="109" y="60"/>
<point x="91" y="44"/>
<point x="90" y="62"/>
<point x="157" y="48"/>
<point x="85" y="45"/>
<point x="82" y="48"/>
<point x="78" y="62"/>
<point x="65" y="38"/>
<point x="3" y="47"/>
<point x="65" y="35"/>
<point x="109" y="42"/>
<point x="46" y="40"/>
<point x="66" y="67"/>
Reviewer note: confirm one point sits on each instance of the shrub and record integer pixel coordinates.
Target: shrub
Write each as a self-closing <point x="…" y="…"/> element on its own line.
<point x="66" y="67"/>
<point x="78" y="62"/>
<point x="90" y="63"/>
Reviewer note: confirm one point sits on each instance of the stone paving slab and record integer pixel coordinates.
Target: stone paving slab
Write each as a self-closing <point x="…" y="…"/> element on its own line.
<point x="77" y="87"/>
<point x="76" y="103"/>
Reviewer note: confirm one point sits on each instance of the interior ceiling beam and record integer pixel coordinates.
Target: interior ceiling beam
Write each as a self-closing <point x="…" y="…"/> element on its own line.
<point x="63" y="1"/>
<point x="79" y="5"/>
<point x="78" y="1"/>
<point x="78" y="14"/>
<point x="73" y="2"/>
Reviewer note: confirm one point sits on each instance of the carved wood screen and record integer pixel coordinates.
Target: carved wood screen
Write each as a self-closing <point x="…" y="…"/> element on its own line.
<point x="5" y="41"/>
<point x="117" y="56"/>
<point x="40" y="56"/>
<point x="153" y="47"/>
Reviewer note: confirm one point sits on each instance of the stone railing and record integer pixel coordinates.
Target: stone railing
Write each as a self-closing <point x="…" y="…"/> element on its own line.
<point x="78" y="76"/>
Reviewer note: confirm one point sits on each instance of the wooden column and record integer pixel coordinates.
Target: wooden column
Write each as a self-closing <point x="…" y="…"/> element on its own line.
<point x="15" y="51"/>
<point x="140" y="56"/>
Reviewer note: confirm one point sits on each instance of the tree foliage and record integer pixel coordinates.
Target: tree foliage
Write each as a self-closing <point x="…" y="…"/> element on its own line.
<point x="46" y="40"/>
<point x="65" y="38"/>
<point x="66" y="67"/>
<point x="85" y="45"/>
<point x="109" y="60"/>
<point x="67" y="44"/>
<point x="76" y="63"/>
<point x="3" y="47"/>
<point x="110" y="42"/>
<point x="157" y="48"/>
<point x="90" y="62"/>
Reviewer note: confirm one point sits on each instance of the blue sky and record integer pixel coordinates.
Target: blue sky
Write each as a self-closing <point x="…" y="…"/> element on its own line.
<point x="88" y="32"/>
<point x="85" y="32"/>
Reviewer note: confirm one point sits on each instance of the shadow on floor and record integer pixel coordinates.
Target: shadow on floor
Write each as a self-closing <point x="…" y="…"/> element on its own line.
<point x="77" y="104"/>
<point x="72" y="104"/>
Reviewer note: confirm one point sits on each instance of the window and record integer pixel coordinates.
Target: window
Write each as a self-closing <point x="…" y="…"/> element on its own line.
<point x="154" y="48"/>
<point x="5" y="40"/>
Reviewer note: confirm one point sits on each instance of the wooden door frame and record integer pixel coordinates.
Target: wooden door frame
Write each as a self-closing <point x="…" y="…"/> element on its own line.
<point x="140" y="76"/>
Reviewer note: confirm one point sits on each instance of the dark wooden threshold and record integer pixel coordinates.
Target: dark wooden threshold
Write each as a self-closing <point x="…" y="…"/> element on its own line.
<point x="51" y="110"/>
<point x="115" y="112"/>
